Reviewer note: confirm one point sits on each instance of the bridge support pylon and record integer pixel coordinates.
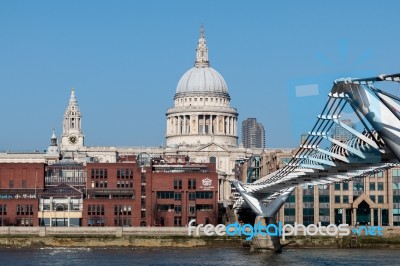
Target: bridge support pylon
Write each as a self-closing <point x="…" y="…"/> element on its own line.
<point x="265" y="243"/>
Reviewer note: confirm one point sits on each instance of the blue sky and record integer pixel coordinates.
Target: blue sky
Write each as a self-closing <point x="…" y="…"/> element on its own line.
<point x="125" y="58"/>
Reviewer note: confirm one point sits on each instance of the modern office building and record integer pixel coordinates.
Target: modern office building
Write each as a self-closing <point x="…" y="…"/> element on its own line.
<point x="340" y="134"/>
<point x="253" y="134"/>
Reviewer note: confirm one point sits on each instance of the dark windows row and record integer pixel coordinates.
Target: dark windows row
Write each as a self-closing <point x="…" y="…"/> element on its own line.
<point x="372" y="186"/>
<point x="191" y="183"/>
<point x="96" y="221"/>
<point x="96" y="209"/>
<point x="200" y="195"/>
<point x="345" y="186"/>
<point x="178" y="195"/>
<point x="125" y="184"/>
<point x="101" y="184"/>
<point x="169" y="195"/>
<point x="23" y="221"/>
<point x="122" y="210"/>
<point x="25" y="209"/>
<point x="125" y="173"/>
<point x="122" y="221"/>
<point x="99" y="173"/>
<point x="345" y="199"/>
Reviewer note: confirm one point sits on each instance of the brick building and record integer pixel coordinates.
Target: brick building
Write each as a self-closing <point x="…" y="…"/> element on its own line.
<point x="19" y="185"/>
<point x="129" y="193"/>
<point x="183" y="192"/>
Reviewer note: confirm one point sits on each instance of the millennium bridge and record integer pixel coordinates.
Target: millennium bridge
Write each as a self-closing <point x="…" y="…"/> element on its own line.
<point x="322" y="159"/>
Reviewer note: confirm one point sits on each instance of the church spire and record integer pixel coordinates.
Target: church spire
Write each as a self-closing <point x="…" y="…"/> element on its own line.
<point x="53" y="139"/>
<point x="72" y="99"/>
<point x="72" y="137"/>
<point x="202" y="51"/>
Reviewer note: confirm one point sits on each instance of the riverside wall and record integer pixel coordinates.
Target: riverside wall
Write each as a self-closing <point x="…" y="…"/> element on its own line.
<point x="172" y="237"/>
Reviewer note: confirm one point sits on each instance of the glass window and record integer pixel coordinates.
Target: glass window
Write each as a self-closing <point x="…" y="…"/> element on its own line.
<point x="395" y="172"/>
<point x="308" y="198"/>
<point x="346" y="186"/>
<point x="323" y="198"/>
<point x="290" y="211"/>
<point x="345" y="199"/>
<point x="337" y="186"/>
<point x="372" y="186"/>
<point x="380" y="199"/>
<point x="177" y="196"/>
<point x="337" y="199"/>
<point x="380" y="185"/>
<point x="192" y="195"/>
<point x="372" y="197"/>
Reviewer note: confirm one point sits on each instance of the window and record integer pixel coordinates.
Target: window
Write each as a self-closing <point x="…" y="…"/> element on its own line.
<point x="379" y="174"/>
<point x="290" y="211"/>
<point x="395" y="172"/>
<point x="372" y="197"/>
<point x="308" y="216"/>
<point x="337" y="199"/>
<point x="345" y="199"/>
<point x="337" y="186"/>
<point x="291" y="199"/>
<point x="204" y="195"/>
<point x="324" y="212"/>
<point x="346" y="186"/>
<point x="308" y="198"/>
<point x="11" y="184"/>
<point x="178" y="196"/>
<point x="380" y="199"/>
<point x="191" y="183"/>
<point x="165" y="195"/>
<point x="178" y="184"/>
<point x="178" y="208"/>
<point x="23" y="183"/>
<point x="371" y="186"/>
<point x="192" y="195"/>
<point x="323" y="198"/>
<point x="380" y="185"/>
<point x="3" y="209"/>
<point x="177" y="221"/>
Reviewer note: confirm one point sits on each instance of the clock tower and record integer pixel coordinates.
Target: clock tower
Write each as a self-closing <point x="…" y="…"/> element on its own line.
<point x="72" y="138"/>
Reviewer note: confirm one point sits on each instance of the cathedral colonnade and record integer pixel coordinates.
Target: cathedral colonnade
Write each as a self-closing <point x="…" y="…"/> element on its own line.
<point x="186" y="124"/>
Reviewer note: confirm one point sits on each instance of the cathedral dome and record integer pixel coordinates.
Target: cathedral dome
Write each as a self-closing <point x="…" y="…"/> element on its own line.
<point x="202" y="79"/>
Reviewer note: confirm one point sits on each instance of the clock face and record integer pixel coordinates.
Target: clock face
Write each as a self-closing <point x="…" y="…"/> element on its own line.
<point x="72" y="139"/>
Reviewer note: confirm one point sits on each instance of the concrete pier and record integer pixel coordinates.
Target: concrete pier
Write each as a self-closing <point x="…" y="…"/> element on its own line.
<point x="267" y="242"/>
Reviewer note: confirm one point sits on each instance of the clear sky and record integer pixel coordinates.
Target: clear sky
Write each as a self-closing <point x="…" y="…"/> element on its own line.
<point x="125" y="58"/>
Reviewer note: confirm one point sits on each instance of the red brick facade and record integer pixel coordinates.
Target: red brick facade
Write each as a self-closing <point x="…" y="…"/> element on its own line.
<point x="116" y="194"/>
<point x="19" y="185"/>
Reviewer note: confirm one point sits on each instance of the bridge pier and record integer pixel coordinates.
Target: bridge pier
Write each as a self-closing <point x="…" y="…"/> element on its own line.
<point x="265" y="243"/>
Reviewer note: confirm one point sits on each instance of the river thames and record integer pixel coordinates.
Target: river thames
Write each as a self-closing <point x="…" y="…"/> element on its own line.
<point x="194" y="256"/>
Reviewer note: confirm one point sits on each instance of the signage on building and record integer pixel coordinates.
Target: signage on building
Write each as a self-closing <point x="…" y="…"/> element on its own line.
<point x="206" y="184"/>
